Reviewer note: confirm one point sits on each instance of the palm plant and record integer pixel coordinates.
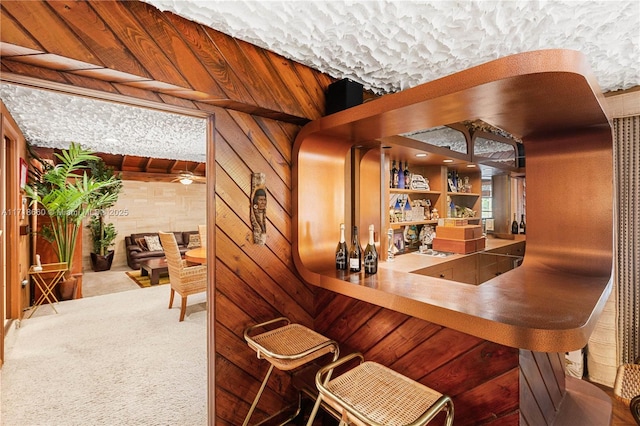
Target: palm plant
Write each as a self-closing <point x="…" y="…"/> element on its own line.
<point x="68" y="196"/>
<point x="103" y="234"/>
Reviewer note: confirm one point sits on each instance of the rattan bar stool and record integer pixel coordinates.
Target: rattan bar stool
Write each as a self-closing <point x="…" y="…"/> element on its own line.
<point x="627" y="387"/>
<point x="371" y="394"/>
<point x="286" y="348"/>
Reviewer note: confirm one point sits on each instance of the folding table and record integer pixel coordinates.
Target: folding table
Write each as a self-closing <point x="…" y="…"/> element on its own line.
<point x="46" y="280"/>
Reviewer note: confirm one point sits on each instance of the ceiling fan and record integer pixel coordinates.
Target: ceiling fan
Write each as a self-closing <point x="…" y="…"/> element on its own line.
<point x="187" y="178"/>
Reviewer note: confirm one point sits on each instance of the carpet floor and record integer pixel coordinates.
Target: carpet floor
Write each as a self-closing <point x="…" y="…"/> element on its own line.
<point x="115" y="359"/>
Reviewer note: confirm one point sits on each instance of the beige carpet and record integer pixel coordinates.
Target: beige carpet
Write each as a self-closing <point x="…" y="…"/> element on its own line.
<point x="115" y="359"/>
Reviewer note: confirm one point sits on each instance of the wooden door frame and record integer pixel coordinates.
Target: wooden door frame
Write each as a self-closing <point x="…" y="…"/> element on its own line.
<point x="11" y="137"/>
<point x="210" y="202"/>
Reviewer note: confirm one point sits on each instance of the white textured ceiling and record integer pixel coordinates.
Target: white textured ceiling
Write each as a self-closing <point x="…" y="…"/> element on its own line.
<point x="54" y="120"/>
<point x="394" y="45"/>
<point x="386" y="45"/>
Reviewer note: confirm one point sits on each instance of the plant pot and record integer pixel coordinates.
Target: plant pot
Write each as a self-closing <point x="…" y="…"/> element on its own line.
<point x="102" y="263"/>
<point x="67" y="287"/>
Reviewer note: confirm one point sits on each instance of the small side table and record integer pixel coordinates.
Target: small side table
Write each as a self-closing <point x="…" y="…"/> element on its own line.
<point x="46" y="280"/>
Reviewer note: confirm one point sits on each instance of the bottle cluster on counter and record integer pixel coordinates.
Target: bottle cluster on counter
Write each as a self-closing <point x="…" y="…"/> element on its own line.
<point x="355" y="259"/>
<point x="518" y="228"/>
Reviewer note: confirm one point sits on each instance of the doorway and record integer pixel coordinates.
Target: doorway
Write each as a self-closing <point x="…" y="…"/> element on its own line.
<point x="208" y="128"/>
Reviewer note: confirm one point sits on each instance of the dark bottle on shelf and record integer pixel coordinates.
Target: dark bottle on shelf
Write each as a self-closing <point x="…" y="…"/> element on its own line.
<point x="450" y="187"/>
<point x="370" y="255"/>
<point x="407" y="176"/>
<point x="341" y="251"/>
<point x="355" y="252"/>
<point x="523" y="226"/>
<point x="514" y="225"/>
<point x="401" y="181"/>
<point x="394" y="176"/>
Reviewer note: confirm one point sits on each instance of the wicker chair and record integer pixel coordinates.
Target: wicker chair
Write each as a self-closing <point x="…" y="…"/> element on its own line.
<point x="634" y="406"/>
<point x="202" y="230"/>
<point x="185" y="280"/>
<point x="287" y="347"/>
<point x="371" y="394"/>
<point x="627" y="387"/>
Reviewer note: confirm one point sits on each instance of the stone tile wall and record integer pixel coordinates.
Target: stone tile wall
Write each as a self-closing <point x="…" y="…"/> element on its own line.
<point x="149" y="207"/>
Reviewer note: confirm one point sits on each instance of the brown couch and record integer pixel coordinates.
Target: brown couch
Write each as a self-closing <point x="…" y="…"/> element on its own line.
<point x="137" y="250"/>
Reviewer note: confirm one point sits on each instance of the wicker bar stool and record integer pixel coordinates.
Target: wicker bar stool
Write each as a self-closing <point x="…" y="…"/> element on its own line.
<point x="371" y="394"/>
<point x="627" y="387"/>
<point x="286" y="348"/>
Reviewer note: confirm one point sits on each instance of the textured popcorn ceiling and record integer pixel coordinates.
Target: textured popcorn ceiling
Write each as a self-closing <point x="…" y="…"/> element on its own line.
<point x="55" y="120"/>
<point x="386" y="45"/>
<point x="394" y="45"/>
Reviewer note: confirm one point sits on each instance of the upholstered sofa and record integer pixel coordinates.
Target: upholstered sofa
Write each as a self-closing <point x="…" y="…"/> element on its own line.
<point x="138" y="248"/>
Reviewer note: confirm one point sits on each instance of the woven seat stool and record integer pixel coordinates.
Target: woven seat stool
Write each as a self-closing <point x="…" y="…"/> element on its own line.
<point x="371" y="394"/>
<point x="286" y="348"/>
<point x="627" y="387"/>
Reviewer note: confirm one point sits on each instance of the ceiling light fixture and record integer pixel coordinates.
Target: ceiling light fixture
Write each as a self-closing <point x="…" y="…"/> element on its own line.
<point x="421" y="155"/>
<point x="186" y="181"/>
<point x="471" y="166"/>
<point x="447" y="161"/>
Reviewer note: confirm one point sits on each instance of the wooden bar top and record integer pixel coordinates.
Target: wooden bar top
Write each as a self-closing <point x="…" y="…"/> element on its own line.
<point x="523" y="308"/>
<point x="411" y="261"/>
<point x="550" y="100"/>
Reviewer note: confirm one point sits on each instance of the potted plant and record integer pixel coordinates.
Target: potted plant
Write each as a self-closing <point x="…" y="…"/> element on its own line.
<point x="68" y="194"/>
<point x="103" y="234"/>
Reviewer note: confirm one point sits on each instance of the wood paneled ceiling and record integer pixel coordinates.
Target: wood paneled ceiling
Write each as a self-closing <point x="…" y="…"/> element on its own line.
<point x="132" y="49"/>
<point x="141" y="168"/>
<point x="131" y="52"/>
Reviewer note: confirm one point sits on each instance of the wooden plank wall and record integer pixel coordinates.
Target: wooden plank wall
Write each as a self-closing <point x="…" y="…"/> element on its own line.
<point x="253" y="283"/>
<point x="542" y="387"/>
<point x="480" y="376"/>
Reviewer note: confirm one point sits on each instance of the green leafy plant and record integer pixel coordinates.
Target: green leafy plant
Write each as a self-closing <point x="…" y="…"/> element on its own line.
<point x="103" y="234"/>
<point x="68" y="194"/>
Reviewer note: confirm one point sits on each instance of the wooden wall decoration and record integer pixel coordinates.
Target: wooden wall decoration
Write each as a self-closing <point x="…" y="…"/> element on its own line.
<point x="259" y="208"/>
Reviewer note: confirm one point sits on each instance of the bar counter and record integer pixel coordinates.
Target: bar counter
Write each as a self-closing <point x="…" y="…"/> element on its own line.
<point x="527" y="307"/>
<point x="412" y="261"/>
<point x="545" y="307"/>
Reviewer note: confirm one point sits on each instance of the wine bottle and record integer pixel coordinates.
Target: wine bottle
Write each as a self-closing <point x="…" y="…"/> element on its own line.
<point x="370" y="255"/>
<point x="401" y="181"/>
<point x="407" y="176"/>
<point x="514" y="225"/>
<point x="523" y="226"/>
<point x="355" y="252"/>
<point x="394" y="175"/>
<point x="341" y="251"/>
